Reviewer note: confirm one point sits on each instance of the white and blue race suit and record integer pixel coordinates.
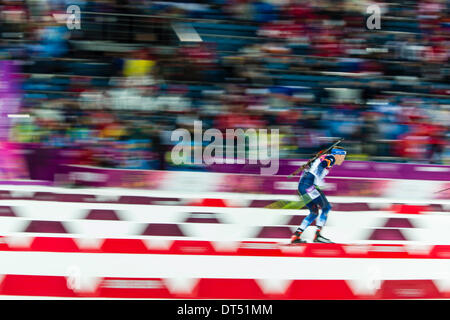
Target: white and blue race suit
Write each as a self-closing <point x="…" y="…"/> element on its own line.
<point x="310" y="180"/>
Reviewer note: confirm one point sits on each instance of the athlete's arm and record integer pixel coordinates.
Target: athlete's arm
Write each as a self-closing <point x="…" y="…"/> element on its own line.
<point x="326" y="163"/>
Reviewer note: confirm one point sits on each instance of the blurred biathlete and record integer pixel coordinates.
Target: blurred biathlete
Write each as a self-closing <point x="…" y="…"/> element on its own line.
<point x="309" y="189"/>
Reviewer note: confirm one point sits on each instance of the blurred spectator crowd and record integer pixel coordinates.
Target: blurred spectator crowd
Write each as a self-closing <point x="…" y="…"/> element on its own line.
<point x="114" y="89"/>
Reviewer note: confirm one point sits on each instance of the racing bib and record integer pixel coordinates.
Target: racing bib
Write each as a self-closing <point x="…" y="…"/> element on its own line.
<point x="312" y="192"/>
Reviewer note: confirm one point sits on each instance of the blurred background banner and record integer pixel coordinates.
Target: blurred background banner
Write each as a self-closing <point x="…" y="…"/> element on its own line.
<point x="12" y="162"/>
<point x="362" y="169"/>
<point x="336" y="185"/>
<point x="10" y="96"/>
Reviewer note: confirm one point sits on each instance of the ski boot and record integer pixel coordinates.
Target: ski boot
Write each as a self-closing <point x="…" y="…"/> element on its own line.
<point x="320" y="239"/>
<point x="295" y="239"/>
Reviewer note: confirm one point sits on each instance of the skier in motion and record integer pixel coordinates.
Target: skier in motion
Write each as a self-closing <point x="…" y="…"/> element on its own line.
<point x="310" y="182"/>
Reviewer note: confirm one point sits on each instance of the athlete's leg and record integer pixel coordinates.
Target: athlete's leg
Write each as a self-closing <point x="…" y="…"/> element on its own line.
<point x="326" y="207"/>
<point x="313" y="213"/>
<point x="312" y="205"/>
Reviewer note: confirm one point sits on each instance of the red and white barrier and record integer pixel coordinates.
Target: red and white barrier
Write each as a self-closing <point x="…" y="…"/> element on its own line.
<point x="127" y="268"/>
<point x="119" y="243"/>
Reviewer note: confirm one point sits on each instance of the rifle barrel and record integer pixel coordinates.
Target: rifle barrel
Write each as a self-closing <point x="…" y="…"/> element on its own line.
<point x="314" y="158"/>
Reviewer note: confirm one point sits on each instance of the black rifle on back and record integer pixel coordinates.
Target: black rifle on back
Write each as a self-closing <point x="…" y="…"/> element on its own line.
<point x="318" y="154"/>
